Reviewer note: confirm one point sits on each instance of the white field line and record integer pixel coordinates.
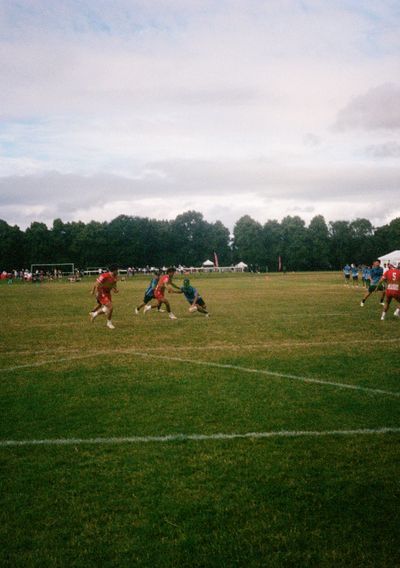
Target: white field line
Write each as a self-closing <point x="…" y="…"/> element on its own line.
<point x="269" y="373"/>
<point x="224" y="347"/>
<point x="197" y="437"/>
<point x="207" y="364"/>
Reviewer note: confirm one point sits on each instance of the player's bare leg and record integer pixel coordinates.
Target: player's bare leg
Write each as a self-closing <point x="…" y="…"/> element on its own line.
<point x="97" y="312"/>
<point x="138" y="308"/>
<point x="386" y="307"/>
<point x="95" y="309"/>
<point x="110" y="310"/>
<point x="167" y="307"/>
<point x="202" y="310"/>
<point x="149" y="307"/>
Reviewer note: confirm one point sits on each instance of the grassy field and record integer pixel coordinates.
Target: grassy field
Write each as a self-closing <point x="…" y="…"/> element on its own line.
<point x="266" y="435"/>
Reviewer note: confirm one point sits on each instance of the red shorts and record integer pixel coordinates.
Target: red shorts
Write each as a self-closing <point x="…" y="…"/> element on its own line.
<point x="159" y="295"/>
<point x="104" y="297"/>
<point x="393" y="294"/>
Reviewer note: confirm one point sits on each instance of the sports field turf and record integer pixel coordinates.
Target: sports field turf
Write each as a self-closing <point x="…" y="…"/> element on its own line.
<point x="132" y="470"/>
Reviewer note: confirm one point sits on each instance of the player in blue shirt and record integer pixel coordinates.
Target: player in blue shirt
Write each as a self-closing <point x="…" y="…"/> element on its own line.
<point x="346" y="272"/>
<point x="149" y="294"/>
<point x="366" y="276"/>
<point x="354" y="274"/>
<point x="193" y="297"/>
<point x="376" y="273"/>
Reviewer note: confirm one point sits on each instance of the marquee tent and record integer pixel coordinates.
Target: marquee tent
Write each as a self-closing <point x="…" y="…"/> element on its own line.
<point x="392" y="257"/>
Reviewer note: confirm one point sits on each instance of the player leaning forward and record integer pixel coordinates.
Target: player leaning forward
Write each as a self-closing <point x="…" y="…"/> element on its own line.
<point x="105" y="283"/>
<point x="392" y="278"/>
<point x="193" y="297"/>
<point x="159" y="291"/>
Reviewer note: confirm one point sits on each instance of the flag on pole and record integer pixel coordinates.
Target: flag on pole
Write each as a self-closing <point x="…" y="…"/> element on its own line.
<point x="216" y="260"/>
<point x="279" y="263"/>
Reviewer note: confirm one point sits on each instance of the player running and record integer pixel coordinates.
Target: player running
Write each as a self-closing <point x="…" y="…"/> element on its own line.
<point x="346" y="273"/>
<point x="193" y="297"/>
<point x="354" y="274"/>
<point x="366" y="276"/>
<point x="149" y="294"/>
<point x="376" y="274"/>
<point x="105" y="283"/>
<point x="159" y="291"/>
<point x="392" y="279"/>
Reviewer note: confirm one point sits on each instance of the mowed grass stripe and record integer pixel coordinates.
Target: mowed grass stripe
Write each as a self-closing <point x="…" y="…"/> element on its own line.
<point x="208" y="364"/>
<point x="224" y="347"/>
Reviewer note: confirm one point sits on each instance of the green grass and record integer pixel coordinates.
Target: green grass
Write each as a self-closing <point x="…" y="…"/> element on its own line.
<point x="281" y="501"/>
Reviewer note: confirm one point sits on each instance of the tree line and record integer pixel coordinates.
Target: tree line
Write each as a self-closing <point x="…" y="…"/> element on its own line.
<point x="189" y="239"/>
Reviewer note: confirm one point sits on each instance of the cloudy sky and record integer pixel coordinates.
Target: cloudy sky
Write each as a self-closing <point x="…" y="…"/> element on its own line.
<point x="153" y="107"/>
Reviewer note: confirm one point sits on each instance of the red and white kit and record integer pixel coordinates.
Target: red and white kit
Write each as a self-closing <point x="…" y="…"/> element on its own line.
<point x="392" y="277"/>
<point x="106" y="282"/>
<point x="160" y="288"/>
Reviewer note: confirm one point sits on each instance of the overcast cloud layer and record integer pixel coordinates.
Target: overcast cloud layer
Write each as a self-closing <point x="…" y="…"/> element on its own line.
<point x="152" y="108"/>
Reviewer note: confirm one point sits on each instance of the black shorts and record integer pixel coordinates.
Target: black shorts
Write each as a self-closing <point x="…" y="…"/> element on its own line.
<point x="147" y="298"/>
<point x="199" y="302"/>
<point x="372" y="288"/>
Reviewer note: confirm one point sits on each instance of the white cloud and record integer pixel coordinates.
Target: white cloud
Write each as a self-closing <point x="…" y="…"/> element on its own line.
<point x="155" y="107"/>
<point x="378" y="109"/>
<point x="221" y="190"/>
<point x="389" y="149"/>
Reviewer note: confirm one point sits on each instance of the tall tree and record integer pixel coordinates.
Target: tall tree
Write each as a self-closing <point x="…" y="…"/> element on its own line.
<point x="38" y="243"/>
<point x="294" y="243"/>
<point x="12" y="253"/>
<point x="341" y="237"/>
<point x="219" y="239"/>
<point x="318" y="244"/>
<point x="190" y="231"/>
<point x="272" y="242"/>
<point x="249" y="242"/>
<point x="362" y="243"/>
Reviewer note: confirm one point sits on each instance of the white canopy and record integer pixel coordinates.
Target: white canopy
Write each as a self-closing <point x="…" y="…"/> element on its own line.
<point x="392" y="257"/>
<point x="241" y="264"/>
<point x="208" y="263"/>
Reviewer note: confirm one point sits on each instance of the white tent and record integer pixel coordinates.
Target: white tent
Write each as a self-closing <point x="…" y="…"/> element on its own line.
<point x="208" y="263"/>
<point x="241" y="265"/>
<point x="392" y="257"/>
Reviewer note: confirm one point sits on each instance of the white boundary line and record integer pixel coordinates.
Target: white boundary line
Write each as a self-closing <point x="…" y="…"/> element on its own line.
<point x="208" y="364"/>
<point x="196" y="437"/>
<point x="270" y="373"/>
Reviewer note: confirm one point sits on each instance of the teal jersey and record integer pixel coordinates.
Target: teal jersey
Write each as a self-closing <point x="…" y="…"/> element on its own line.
<point x="190" y="293"/>
<point x="376" y="274"/>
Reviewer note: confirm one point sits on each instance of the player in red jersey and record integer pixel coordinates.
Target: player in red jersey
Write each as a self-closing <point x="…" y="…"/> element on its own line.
<point x="105" y="283"/>
<point x="392" y="279"/>
<point x="159" y="291"/>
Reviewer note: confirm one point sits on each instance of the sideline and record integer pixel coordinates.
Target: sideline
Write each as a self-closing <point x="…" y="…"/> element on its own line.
<point x="196" y="437"/>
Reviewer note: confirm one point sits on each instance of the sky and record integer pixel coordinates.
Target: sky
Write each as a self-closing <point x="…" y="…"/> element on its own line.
<point x="154" y="107"/>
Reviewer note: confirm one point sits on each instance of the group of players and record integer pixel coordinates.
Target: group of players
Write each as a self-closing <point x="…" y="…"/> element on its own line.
<point x="155" y="292"/>
<point x="376" y="279"/>
<point x="388" y="282"/>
